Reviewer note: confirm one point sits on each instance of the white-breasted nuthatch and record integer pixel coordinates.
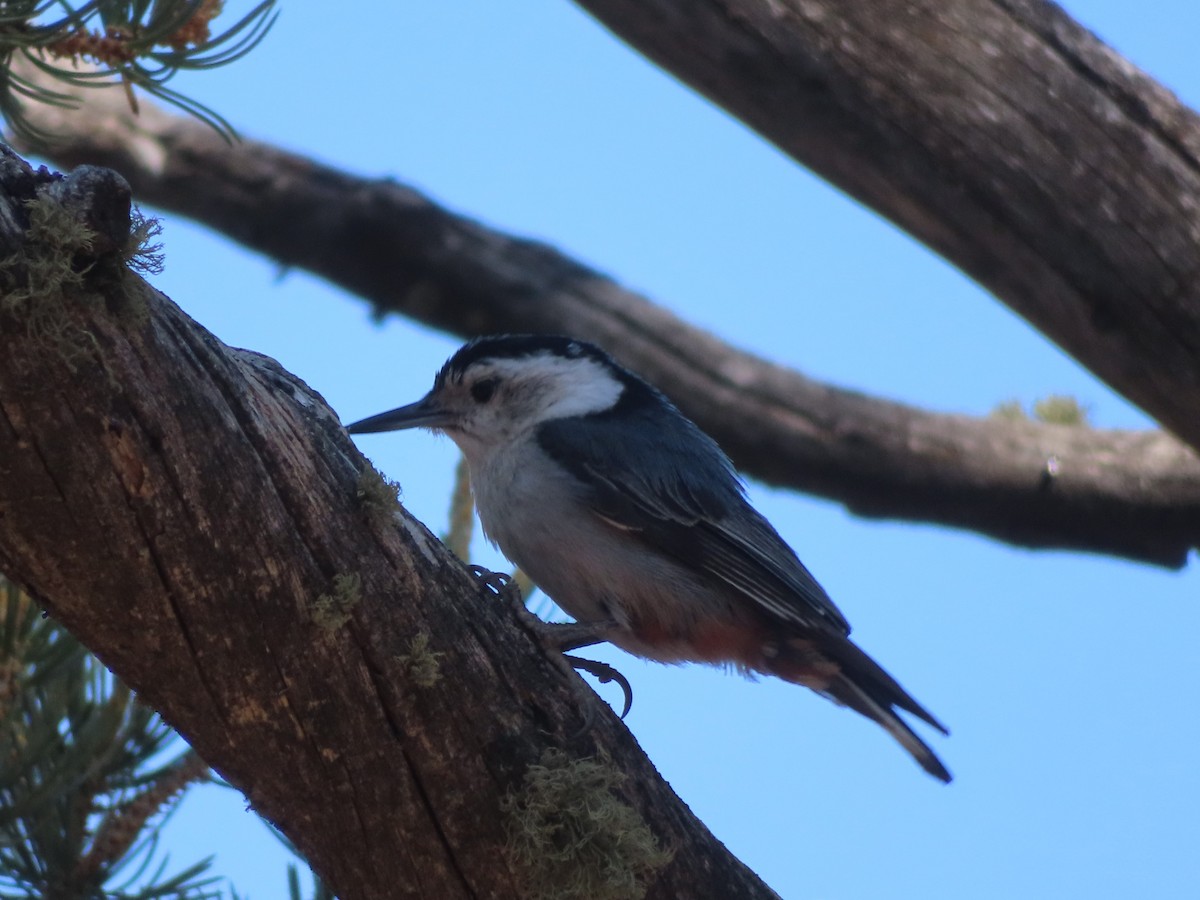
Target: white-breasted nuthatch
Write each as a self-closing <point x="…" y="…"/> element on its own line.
<point x="632" y="519"/>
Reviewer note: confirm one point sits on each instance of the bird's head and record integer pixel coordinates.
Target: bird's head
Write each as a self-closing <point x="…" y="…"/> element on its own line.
<point x="496" y="389"/>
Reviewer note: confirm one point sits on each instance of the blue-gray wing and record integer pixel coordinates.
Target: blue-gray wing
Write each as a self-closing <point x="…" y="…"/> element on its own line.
<point x="679" y="493"/>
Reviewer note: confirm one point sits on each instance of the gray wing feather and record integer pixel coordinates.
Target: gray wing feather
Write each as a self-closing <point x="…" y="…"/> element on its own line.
<point x="681" y="495"/>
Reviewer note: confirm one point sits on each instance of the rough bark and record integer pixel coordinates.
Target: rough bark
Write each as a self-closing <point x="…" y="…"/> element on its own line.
<point x="1125" y="493"/>
<point x="999" y="132"/>
<point x="186" y="510"/>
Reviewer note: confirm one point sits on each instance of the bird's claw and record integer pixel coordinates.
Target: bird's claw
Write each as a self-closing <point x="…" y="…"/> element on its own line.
<point x="605" y="673"/>
<point x="497" y="582"/>
<point x="557" y="637"/>
<point x="503" y="586"/>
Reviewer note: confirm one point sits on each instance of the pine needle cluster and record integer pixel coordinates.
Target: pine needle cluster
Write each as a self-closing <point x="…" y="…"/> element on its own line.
<point x="142" y="43"/>
<point x="87" y="773"/>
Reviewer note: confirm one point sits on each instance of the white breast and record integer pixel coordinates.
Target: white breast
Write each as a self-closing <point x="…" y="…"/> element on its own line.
<point x="531" y="509"/>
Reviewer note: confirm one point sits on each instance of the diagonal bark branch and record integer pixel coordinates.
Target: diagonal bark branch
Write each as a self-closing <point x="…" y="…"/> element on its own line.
<point x="999" y="132"/>
<point x="1125" y="493"/>
<point x="187" y="509"/>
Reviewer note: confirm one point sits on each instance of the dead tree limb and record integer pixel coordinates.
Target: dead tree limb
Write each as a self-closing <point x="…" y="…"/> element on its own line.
<point x="1131" y="494"/>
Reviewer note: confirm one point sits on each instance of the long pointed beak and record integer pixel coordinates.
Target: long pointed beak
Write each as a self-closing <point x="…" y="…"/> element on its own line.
<point x="425" y="413"/>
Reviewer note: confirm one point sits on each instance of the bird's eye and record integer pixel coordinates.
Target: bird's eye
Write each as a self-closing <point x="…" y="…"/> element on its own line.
<point x="483" y="390"/>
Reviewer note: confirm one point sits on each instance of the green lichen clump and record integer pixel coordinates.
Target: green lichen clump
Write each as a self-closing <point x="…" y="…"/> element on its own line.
<point x="1060" y="409"/>
<point x="571" y="838"/>
<point x="333" y="610"/>
<point x="1054" y="409"/>
<point x="1010" y="411"/>
<point x="379" y="497"/>
<point x="421" y="663"/>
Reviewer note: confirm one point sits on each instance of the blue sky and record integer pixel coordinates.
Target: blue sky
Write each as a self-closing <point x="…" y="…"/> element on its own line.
<point x="1069" y="681"/>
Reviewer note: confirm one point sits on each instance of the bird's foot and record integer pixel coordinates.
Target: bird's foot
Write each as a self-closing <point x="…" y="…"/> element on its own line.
<point x="559" y="637"/>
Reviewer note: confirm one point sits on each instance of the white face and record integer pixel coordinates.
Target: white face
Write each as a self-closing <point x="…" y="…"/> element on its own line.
<point x="498" y="401"/>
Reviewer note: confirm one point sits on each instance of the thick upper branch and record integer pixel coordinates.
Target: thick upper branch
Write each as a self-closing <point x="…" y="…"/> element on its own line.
<point x="999" y="132"/>
<point x="1131" y="494"/>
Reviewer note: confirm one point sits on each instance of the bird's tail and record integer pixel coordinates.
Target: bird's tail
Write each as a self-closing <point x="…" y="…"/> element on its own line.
<point x="855" y="680"/>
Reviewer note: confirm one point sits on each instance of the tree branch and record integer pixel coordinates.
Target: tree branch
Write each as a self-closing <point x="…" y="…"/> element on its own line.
<point x="1125" y="493"/>
<point x="999" y="132"/>
<point x="193" y="514"/>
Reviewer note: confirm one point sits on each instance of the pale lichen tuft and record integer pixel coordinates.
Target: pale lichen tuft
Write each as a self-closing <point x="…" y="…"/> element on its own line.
<point x="332" y="611"/>
<point x="379" y="497"/>
<point x="38" y="279"/>
<point x="142" y="251"/>
<point x="571" y="838"/>
<point x="1010" y="411"/>
<point x="421" y="663"/>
